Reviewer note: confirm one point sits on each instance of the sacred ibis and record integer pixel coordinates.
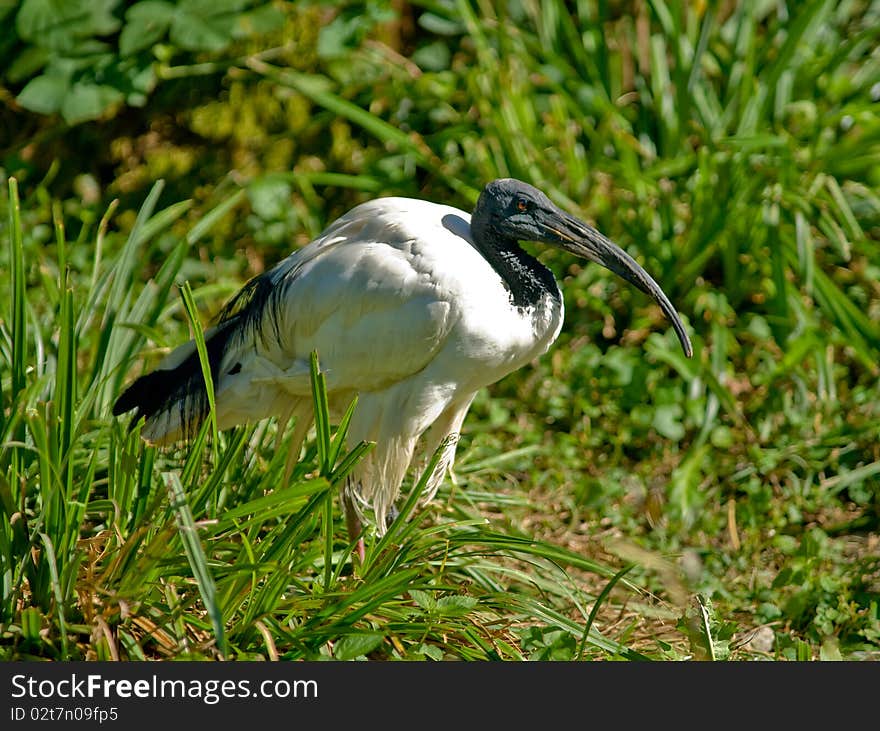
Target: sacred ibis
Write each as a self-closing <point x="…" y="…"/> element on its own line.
<point x="412" y="306"/>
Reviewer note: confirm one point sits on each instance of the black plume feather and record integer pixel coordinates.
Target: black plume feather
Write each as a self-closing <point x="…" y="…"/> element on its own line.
<point x="183" y="386"/>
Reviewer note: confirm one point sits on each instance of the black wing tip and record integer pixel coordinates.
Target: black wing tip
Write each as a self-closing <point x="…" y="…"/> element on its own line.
<point x="183" y="385"/>
<point x="128" y="401"/>
<point x="146" y="395"/>
<point x="125" y="402"/>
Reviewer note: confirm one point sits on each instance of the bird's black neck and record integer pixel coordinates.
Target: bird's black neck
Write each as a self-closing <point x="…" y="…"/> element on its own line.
<point x="527" y="279"/>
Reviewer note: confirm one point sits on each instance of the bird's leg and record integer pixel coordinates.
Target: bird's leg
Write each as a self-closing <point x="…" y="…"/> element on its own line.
<point x="353" y="520"/>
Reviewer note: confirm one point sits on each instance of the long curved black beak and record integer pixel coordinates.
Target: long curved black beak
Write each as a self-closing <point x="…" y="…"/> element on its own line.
<point x="568" y="233"/>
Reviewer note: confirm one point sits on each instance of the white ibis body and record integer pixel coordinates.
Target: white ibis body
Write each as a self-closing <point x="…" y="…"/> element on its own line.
<point x="412" y="306"/>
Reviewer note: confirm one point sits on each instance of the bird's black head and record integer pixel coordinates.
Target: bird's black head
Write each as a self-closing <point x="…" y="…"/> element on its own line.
<point x="513" y="210"/>
<point x="509" y="210"/>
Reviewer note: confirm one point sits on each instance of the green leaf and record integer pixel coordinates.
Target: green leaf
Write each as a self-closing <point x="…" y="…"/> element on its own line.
<point x="142" y="81"/>
<point x="265" y="19"/>
<point x="352" y="646"/>
<point x="431" y="651"/>
<point x="45" y="94"/>
<point x="27" y="63"/>
<point x="209" y="8"/>
<point x="439" y="25"/>
<point x="195" y="32"/>
<point x="456" y="605"/>
<point x="270" y="197"/>
<point x="667" y="421"/>
<point x="337" y="38"/>
<point x="89" y="53"/>
<point x="57" y="24"/>
<point x="433" y="57"/>
<point x="423" y="599"/>
<point x="146" y="23"/>
<point x="155" y="12"/>
<point x="85" y="101"/>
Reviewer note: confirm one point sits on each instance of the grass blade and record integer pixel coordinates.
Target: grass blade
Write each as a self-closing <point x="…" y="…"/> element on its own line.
<point x="322" y="414"/>
<point x="17" y="302"/>
<point x="598" y="603"/>
<point x="195" y="554"/>
<point x="52" y="562"/>
<point x="192" y="316"/>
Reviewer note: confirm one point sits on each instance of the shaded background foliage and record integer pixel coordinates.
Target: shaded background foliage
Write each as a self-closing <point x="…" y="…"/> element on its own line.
<point x="734" y="148"/>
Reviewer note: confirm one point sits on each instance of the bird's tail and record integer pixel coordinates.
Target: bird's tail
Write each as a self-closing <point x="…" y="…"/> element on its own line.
<point x="173" y="398"/>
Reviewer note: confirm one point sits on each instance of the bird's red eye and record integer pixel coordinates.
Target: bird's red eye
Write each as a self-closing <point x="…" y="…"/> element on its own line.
<point x="521" y="205"/>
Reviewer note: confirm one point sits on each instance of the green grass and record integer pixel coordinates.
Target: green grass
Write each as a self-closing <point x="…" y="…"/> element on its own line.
<point x="612" y="500"/>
